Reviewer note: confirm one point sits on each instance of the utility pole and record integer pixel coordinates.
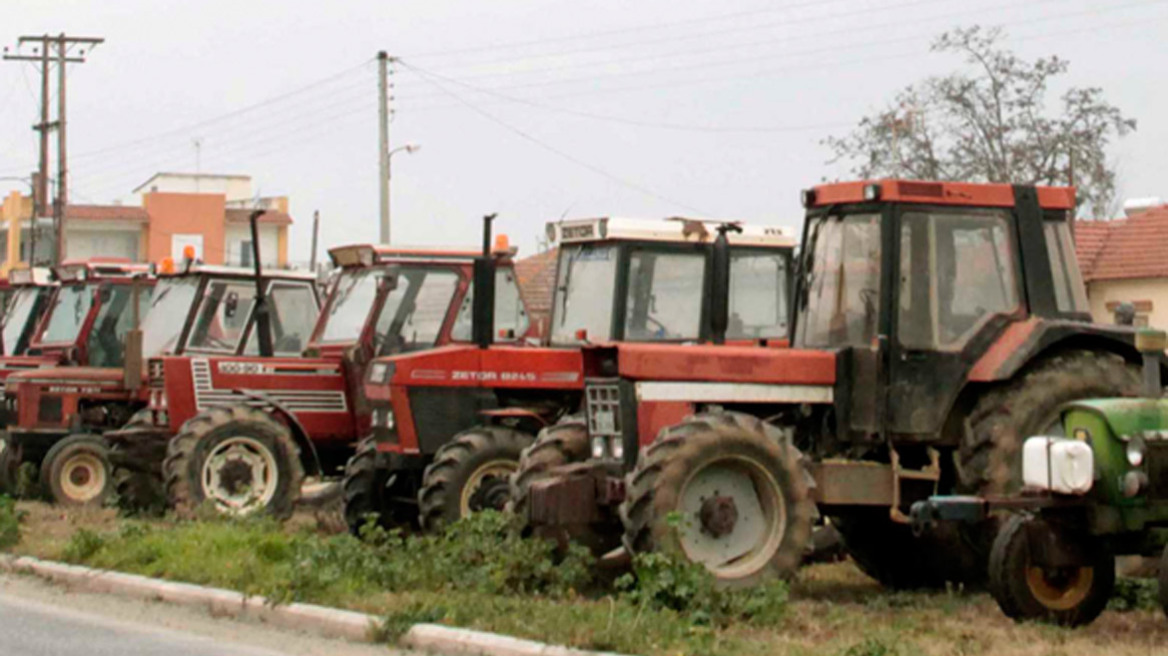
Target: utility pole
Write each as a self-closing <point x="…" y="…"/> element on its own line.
<point x="315" y="235"/>
<point x="383" y="61"/>
<point x="63" y="43"/>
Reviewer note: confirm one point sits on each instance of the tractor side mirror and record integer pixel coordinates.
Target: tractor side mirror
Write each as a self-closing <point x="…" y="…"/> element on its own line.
<point x="230" y="305"/>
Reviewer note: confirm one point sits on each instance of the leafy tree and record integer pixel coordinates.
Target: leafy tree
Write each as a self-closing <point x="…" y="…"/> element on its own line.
<point x="991" y="124"/>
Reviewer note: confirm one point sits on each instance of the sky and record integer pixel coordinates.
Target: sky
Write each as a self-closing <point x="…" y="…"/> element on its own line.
<point x="534" y="109"/>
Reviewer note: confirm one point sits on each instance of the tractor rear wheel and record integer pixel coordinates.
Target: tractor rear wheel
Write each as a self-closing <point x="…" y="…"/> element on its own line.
<point x="366" y="490"/>
<point x="76" y="471"/>
<point x="9" y="466"/>
<point x="989" y="459"/>
<point x="238" y="459"/>
<point x="139" y="491"/>
<point x="469" y="474"/>
<point x="740" y="488"/>
<point x="1067" y="596"/>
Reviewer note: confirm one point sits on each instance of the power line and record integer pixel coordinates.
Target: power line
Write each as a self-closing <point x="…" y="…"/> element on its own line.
<point x="552" y="149"/>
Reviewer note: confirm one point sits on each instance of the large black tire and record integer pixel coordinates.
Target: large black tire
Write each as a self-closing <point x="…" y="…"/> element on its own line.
<point x="1162" y="579"/>
<point x="76" y="472"/>
<point x="365" y="490"/>
<point x="1068" y="597"/>
<point x="217" y="455"/>
<point x="560" y="444"/>
<point x="470" y="473"/>
<point x="989" y="459"/>
<point x="9" y="466"/>
<point x="707" y="443"/>
<point x="139" y="491"/>
<point x="889" y="552"/>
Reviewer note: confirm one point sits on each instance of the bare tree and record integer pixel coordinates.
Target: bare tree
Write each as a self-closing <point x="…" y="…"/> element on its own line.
<point x="991" y="125"/>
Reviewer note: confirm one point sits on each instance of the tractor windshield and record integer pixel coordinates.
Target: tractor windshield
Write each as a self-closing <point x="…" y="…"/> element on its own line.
<point x="583" y="295"/>
<point x="67" y="314"/>
<point x="17" y="317"/>
<point x="665" y="295"/>
<point x="839" y="295"/>
<point x="758" y="295"/>
<point x="352" y="299"/>
<point x="415" y="310"/>
<point x="164" y="321"/>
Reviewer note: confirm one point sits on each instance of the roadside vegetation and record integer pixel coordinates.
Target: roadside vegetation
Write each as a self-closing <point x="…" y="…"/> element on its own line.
<point x="479" y="575"/>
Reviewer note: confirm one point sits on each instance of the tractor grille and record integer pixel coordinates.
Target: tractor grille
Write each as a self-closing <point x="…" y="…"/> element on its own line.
<point x="603" y="407"/>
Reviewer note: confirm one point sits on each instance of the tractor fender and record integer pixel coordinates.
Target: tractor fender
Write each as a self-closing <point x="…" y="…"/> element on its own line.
<point x="1026" y="341"/>
<point x="529" y="416"/>
<point x="308" y="455"/>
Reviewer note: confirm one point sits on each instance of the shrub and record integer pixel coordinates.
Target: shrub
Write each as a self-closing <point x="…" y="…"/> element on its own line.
<point x="10" y="518"/>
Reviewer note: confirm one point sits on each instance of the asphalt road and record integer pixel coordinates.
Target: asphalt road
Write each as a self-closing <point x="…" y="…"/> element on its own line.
<point x="37" y="619"/>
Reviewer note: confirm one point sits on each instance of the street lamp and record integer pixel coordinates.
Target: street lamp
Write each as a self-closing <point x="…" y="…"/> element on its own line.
<point x="409" y="149"/>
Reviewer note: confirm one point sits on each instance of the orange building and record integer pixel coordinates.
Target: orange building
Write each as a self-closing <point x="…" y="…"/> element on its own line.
<point x="207" y="212"/>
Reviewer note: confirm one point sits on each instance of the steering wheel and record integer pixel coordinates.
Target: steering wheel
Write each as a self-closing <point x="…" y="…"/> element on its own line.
<point x="662" y="331"/>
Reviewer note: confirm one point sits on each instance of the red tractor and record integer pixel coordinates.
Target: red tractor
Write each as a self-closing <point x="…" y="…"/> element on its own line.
<point x="450" y="424"/>
<point x="936" y="325"/>
<point x="58" y="414"/>
<point x="242" y="430"/>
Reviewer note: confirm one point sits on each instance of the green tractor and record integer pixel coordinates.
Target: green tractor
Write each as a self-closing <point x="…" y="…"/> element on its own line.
<point x="1097" y="491"/>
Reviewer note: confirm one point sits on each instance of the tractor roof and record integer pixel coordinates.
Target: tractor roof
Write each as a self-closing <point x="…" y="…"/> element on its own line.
<point x="97" y="267"/>
<point x="674" y="229"/>
<point x="369" y="254"/>
<point x="932" y="193"/>
<point x="34" y="276"/>
<point x="242" y="272"/>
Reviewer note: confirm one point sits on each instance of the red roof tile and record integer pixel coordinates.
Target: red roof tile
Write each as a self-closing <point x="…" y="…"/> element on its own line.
<point x="537" y="280"/>
<point x="106" y="213"/>
<point x="1135" y="247"/>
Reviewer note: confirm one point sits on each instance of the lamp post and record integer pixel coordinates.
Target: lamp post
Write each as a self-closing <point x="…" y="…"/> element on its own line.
<point x="409" y="149"/>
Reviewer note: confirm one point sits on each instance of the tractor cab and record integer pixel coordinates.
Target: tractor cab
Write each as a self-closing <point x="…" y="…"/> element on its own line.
<point x="651" y="281"/>
<point x="86" y="319"/>
<point x="29" y="291"/>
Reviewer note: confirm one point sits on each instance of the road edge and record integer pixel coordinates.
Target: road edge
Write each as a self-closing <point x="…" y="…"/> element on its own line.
<point x="331" y="622"/>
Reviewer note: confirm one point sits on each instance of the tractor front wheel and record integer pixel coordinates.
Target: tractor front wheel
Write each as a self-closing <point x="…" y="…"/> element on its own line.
<point x="76" y="471"/>
<point x="725" y="490"/>
<point x="239" y="460"/>
<point x="560" y="444"/>
<point x="469" y="474"/>
<point x="366" y="490"/>
<point x="1064" y="595"/>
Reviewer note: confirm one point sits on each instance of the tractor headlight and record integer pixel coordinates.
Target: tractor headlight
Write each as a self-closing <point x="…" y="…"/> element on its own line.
<point x="1136" y="448"/>
<point x="382" y="418"/>
<point x="617" y="447"/>
<point x="599" y="447"/>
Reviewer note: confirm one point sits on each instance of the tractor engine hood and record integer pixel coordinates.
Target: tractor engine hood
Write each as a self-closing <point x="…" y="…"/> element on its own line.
<point x="727" y="364"/>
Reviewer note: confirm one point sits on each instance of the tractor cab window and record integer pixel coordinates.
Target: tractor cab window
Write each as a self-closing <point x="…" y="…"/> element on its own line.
<point x="1069" y="293"/>
<point x="115" y="318"/>
<point x="163" y="322"/>
<point x="222" y="316"/>
<point x="510" y="313"/>
<point x="758" y="295"/>
<point x="67" y="314"/>
<point x="414" y="311"/>
<point x="17" y="318"/>
<point x="956" y="273"/>
<point x="585" y="281"/>
<point x="292" y="311"/>
<point x="352" y="299"/>
<point x="839" y="302"/>
<point x="665" y="295"/>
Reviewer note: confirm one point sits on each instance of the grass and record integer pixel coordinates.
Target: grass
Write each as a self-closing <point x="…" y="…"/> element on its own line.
<point x="480" y="578"/>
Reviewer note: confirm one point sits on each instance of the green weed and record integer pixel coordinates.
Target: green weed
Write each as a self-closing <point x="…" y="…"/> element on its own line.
<point x="10" y="518"/>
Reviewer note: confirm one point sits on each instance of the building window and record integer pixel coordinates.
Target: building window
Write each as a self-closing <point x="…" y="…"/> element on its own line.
<point x="245" y="253"/>
<point x="1141" y="312"/>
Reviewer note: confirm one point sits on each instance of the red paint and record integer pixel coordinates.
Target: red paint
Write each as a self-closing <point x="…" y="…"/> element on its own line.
<point x="940" y="193"/>
<point x="988" y="367"/>
<point x="653" y="416"/>
<point x="743" y="364"/>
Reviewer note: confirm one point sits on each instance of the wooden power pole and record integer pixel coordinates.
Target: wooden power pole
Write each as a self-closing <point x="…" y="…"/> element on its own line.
<point x="41" y="55"/>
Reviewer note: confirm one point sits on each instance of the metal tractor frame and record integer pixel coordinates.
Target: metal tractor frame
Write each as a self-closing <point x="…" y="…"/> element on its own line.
<point x="450" y="425"/>
<point x="933" y="323"/>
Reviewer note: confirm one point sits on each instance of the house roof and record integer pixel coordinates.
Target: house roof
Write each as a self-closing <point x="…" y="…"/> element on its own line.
<point x="204" y="176"/>
<point x="537" y="280"/>
<point x="267" y="218"/>
<point x="1134" y="247"/>
<point x="128" y="213"/>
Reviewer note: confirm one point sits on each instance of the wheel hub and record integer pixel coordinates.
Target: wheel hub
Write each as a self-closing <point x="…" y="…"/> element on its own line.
<point x="487" y="487"/>
<point x="240" y="475"/>
<point x="82" y="478"/>
<point x="718" y="515"/>
<point x="235" y="476"/>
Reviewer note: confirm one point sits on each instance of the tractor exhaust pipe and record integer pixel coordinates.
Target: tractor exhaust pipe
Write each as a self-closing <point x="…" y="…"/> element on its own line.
<point x="263" y="322"/>
<point x="132" y="360"/>
<point x="483" y="309"/>
<point x="720" y="280"/>
<point x="1151" y="344"/>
